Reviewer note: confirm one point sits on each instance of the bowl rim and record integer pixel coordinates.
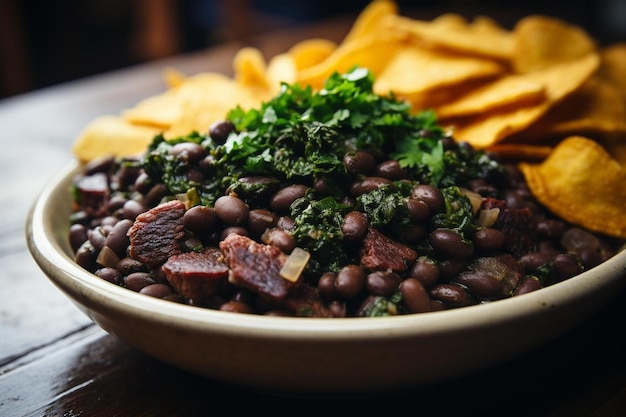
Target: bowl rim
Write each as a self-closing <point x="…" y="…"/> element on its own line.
<point x="42" y="240"/>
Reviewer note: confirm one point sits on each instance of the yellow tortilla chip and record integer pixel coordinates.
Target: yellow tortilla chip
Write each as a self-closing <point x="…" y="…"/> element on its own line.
<point x="281" y="69"/>
<point x="310" y="52"/>
<point x="173" y="77"/>
<point x="372" y="52"/>
<point x="160" y="111"/>
<point x="250" y="68"/>
<point x="568" y="184"/>
<point x="490" y="128"/>
<point x="482" y="38"/>
<point x="112" y="135"/>
<point x="511" y="90"/>
<point x="542" y="41"/>
<point x="595" y="110"/>
<point x="369" y="20"/>
<point x="613" y="66"/>
<point x="210" y="102"/>
<point x="415" y="70"/>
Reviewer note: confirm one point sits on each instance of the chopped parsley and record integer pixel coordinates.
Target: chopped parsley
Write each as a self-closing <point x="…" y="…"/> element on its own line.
<point x="301" y="136"/>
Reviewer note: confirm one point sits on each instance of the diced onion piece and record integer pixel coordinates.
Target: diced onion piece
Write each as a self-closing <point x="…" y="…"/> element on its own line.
<point x="295" y="264"/>
<point x="488" y="217"/>
<point x="475" y="199"/>
<point x="107" y="258"/>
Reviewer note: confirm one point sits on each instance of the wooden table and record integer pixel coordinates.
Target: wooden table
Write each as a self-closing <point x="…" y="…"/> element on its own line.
<point x="55" y="362"/>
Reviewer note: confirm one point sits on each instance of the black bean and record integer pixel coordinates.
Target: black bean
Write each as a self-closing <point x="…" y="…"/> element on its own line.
<point x="220" y="130"/>
<point x="143" y="182"/>
<point x="415" y="296"/>
<point x="526" y="285"/>
<point x="195" y="175"/>
<point x="107" y="224"/>
<point x="116" y="202"/>
<point x="418" y="210"/>
<point x="188" y="152"/>
<point x="590" y="258"/>
<point x="157" y="290"/>
<point x="382" y="283"/>
<point x="78" y="235"/>
<point x="566" y="265"/>
<point x="368" y="184"/>
<point x="431" y="195"/>
<point x="109" y="274"/>
<point x="326" y="286"/>
<point x="201" y="220"/>
<point x="237" y="307"/>
<point x="551" y="229"/>
<point x="488" y="239"/>
<point x="117" y="240"/>
<point x="281" y="201"/>
<point x="480" y="284"/>
<point x="129" y="265"/>
<point x="231" y="210"/>
<point x="259" y="220"/>
<point x="350" y="281"/>
<point x="337" y="308"/>
<point x="426" y="271"/>
<point x="137" y="280"/>
<point x="450" y="268"/>
<point x="390" y="169"/>
<point x="450" y="243"/>
<point x="97" y="238"/>
<point x="100" y="164"/>
<point x="354" y="226"/>
<point x="86" y="255"/>
<point x="280" y="238"/>
<point x="132" y="209"/>
<point x="451" y="295"/>
<point x="242" y="231"/>
<point x="359" y="162"/>
<point x="532" y="261"/>
<point x="127" y="175"/>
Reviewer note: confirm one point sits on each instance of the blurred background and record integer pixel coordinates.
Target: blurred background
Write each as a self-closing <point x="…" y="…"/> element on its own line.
<point x="46" y="42"/>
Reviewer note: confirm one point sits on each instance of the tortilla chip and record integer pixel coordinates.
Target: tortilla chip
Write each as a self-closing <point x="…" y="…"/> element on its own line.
<point x="613" y="66"/>
<point x="173" y="77"/>
<point x="595" y="110"/>
<point x="511" y="90"/>
<point x="542" y="41"/>
<point x="415" y="70"/>
<point x="483" y="38"/>
<point x="159" y="111"/>
<point x="310" y="52"/>
<point x="567" y="184"/>
<point x="281" y="69"/>
<point x="112" y="135"/>
<point x="370" y="18"/>
<point x="250" y="68"/>
<point x="211" y="101"/>
<point x="490" y="128"/>
<point x="372" y="52"/>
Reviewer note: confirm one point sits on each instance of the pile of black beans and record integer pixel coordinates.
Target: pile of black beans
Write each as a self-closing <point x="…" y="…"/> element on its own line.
<point x="458" y="274"/>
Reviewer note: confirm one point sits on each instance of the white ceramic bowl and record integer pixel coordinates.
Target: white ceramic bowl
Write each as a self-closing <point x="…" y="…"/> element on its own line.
<point x="307" y="355"/>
